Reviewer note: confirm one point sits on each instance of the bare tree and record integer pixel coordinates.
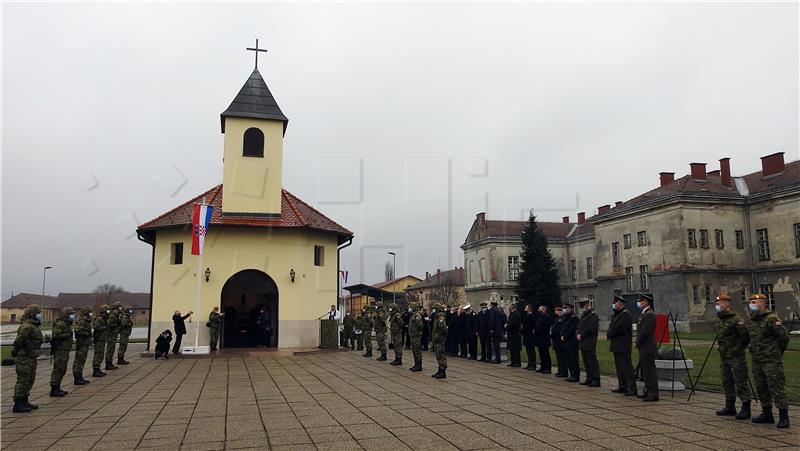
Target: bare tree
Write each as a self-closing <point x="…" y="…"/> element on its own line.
<point x="388" y="271"/>
<point x="445" y="291"/>
<point x="105" y="292"/>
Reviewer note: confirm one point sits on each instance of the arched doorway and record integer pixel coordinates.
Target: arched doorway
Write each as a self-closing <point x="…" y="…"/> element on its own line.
<point x="242" y="297"/>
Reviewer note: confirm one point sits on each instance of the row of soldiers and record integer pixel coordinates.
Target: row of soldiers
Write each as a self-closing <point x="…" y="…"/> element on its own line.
<point x="101" y="331"/>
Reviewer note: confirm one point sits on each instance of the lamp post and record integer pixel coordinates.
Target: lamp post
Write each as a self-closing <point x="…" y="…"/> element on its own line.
<point x="394" y="275"/>
<point x="44" y="277"/>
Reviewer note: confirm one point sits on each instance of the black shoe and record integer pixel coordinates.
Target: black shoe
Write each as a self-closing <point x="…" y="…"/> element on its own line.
<point x="594" y="384"/>
<point x="560" y="374"/>
<point x="20" y="406"/>
<point x="79" y="380"/>
<point x="531" y="368"/>
<point x="651" y="399"/>
<point x="416" y="368"/>
<point x="744" y="412"/>
<point x="382" y="358"/>
<point x="631" y="393"/>
<point x="397" y="362"/>
<point x="765" y="417"/>
<point x="586" y="382"/>
<point x="783" y="418"/>
<point x="547" y="371"/>
<point x="642" y="396"/>
<point x="97" y="373"/>
<point x="441" y="375"/>
<point x="122" y="362"/>
<point x="729" y="410"/>
<point x="110" y="366"/>
<point x="166" y="356"/>
<point x="572" y="379"/>
<point x="618" y="390"/>
<point x="28" y="403"/>
<point x="495" y="361"/>
<point x="436" y="373"/>
<point x="56" y="392"/>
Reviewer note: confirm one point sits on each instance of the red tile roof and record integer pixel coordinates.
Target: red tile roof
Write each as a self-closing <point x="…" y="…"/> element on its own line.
<point x="453" y="277"/>
<point x="23" y="300"/>
<point x="294" y="214"/>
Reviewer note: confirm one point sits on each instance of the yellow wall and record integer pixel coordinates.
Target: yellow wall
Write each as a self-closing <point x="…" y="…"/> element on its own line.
<point x="252" y="184"/>
<point x="5" y="314"/>
<point x="230" y="250"/>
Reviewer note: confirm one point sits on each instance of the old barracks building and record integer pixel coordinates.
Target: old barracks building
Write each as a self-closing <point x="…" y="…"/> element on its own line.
<point x="684" y="241"/>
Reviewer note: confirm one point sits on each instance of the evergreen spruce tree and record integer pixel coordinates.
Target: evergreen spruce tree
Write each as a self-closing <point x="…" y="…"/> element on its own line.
<point x="538" y="275"/>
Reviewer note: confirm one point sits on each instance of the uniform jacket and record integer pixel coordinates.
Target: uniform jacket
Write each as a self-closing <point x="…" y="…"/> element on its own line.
<point x="514" y="324"/>
<point x="528" y="326"/>
<point x="415" y="324"/>
<point x="733" y="335"/>
<point x="483" y="323"/>
<point x="462" y="332"/>
<point x="380" y="323"/>
<point x="100" y="327"/>
<point x="568" y="330"/>
<point x="29" y="338"/>
<point x="587" y="328"/>
<point x="620" y="332"/>
<point x="541" y="332"/>
<point x="114" y="322"/>
<point x="366" y="324"/>
<point x="214" y="320"/>
<point x="82" y="328"/>
<point x="406" y="319"/>
<point x="439" y="331"/>
<point x="472" y="324"/>
<point x="349" y="323"/>
<point x="396" y="323"/>
<point x="61" y="339"/>
<point x="555" y="332"/>
<point x="496" y="322"/>
<point x="180" y="326"/>
<point x="768" y="337"/>
<point x="646" y="333"/>
<point x="125" y="324"/>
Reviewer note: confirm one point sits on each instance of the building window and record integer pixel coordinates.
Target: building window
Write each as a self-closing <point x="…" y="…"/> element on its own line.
<point x="319" y="255"/>
<point x="797" y="240"/>
<point x="481" y="265"/>
<point x="471" y="271"/>
<point x="766" y="289"/>
<point x="615" y="253"/>
<point x="574" y="300"/>
<point x="626" y="240"/>
<point x="692" y="235"/>
<point x="744" y="292"/>
<point x="739" y="239"/>
<point x="589" y="268"/>
<point x="719" y="240"/>
<point x="709" y="299"/>
<point x="617" y="292"/>
<point x="253" y="145"/>
<point x="644" y="277"/>
<point x="573" y="270"/>
<point x="641" y="238"/>
<point x="704" y="238"/>
<point x="13" y="318"/>
<point x="176" y="253"/>
<point x="763" y="244"/>
<point x="513" y="268"/>
<point x="629" y="279"/>
<point x="514" y="298"/>
<point x="696" y="294"/>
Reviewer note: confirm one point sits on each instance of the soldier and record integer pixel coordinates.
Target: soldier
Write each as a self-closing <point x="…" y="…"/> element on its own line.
<point x="569" y="341"/>
<point x="366" y="328"/>
<point x="406" y="318"/>
<point x="646" y="343"/>
<point x="768" y="340"/>
<point x="214" y="324"/>
<point x="497" y="324"/>
<point x="125" y="329"/>
<point x="396" y="328"/>
<point x="415" y="333"/>
<point x="483" y="333"/>
<point x="100" y="336"/>
<point x="26" y="350"/>
<point x="426" y="328"/>
<point x="472" y="342"/>
<point x="732" y="341"/>
<point x="541" y="338"/>
<point x="380" y="331"/>
<point x="451" y="345"/>
<point x="349" y="332"/>
<point x="114" y="324"/>
<point x="83" y="339"/>
<point x="558" y="346"/>
<point x="620" y="337"/>
<point x="528" y="325"/>
<point x="358" y="331"/>
<point x="513" y="338"/>
<point x="60" y="345"/>
<point x="588" y="326"/>
<point x="439" y="335"/>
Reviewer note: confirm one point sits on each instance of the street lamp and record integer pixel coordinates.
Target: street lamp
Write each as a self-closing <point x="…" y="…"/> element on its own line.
<point x="394" y="275"/>
<point x="44" y="277"/>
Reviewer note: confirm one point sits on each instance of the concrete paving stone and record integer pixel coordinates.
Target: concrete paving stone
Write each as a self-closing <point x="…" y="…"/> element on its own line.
<point x="580" y="445"/>
<point x="208" y="446"/>
<point x="203" y="435"/>
<point x="617" y="443"/>
<point x="655" y="439"/>
<point x="293" y="448"/>
<point x="115" y="444"/>
<point x="31" y="442"/>
<point x="363" y="431"/>
<point x="462" y="416"/>
<point x="344" y="445"/>
<point x="247" y="444"/>
<point x="463" y="438"/>
<point x="681" y="447"/>
<point x="327" y="434"/>
<point x="75" y="443"/>
<point x="383" y="443"/>
<point x="722" y="444"/>
<point x="289" y="437"/>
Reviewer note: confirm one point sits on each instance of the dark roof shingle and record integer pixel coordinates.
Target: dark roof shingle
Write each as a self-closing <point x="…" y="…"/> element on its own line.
<point x="254" y="101"/>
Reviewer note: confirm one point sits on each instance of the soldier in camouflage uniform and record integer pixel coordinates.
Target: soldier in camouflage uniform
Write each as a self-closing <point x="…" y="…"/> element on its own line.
<point x="60" y="345"/>
<point x="83" y="339"/>
<point x="214" y="323"/>
<point x="100" y="335"/>
<point x="768" y="340"/>
<point x="379" y="322"/>
<point x="396" y="326"/>
<point x="114" y="324"/>
<point x="26" y="350"/>
<point x="732" y="340"/>
<point x="415" y="334"/>
<point x="439" y="336"/>
<point x="125" y="329"/>
<point x="349" y="336"/>
<point x="366" y="325"/>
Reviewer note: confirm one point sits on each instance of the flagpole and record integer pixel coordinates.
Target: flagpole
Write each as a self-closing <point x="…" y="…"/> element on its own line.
<point x="197" y="299"/>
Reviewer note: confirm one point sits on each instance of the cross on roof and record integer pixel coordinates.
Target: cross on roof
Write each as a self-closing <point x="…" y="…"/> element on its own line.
<point x="256" y="50"/>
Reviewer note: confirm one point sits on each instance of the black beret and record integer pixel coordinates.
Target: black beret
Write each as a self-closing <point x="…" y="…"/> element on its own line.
<point x="483" y="304"/>
<point x="619" y="299"/>
<point x="568" y="306"/>
<point x="493" y="302"/>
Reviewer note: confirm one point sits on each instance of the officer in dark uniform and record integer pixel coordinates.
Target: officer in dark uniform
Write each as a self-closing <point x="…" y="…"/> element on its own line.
<point x="570" y="342"/>
<point x="472" y="329"/>
<point x="462" y="332"/>
<point x="513" y="337"/>
<point x="588" y="326"/>
<point x="426" y="329"/>
<point x="620" y="337"/>
<point x="646" y="343"/>
<point x="483" y="333"/>
<point x="496" y="325"/>
<point x="558" y="346"/>
<point x="451" y="342"/>
<point x="528" y="340"/>
<point x="541" y="338"/>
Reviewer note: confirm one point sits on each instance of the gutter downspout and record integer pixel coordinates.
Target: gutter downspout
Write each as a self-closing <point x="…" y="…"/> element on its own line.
<point x="152" y="268"/>
<point x="750" y="262"/>
<point x="338" y="268"/>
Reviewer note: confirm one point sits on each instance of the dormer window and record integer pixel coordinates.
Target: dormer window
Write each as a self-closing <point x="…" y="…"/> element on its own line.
<point x="253" y="145"/>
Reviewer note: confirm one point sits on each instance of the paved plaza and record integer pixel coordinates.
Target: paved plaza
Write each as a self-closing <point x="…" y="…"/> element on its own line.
<point x="342" y="401"/>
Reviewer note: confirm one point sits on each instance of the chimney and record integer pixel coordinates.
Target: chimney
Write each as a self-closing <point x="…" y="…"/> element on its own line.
<point x="772" y="164"/>
<point x="725" y="171"/>
<point x="481" y="217"/>
<point x="565" y="219"/>
<point x="698" y="171"/>
<point x="666" y="178"/>
<point x="427" y="275"/>
<point x="603" y="209"/>
<point x="581" y="217"/>
<point x="617" y="203"/>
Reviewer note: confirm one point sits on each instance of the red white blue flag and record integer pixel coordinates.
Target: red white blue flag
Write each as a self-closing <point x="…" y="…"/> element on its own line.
<point x="200" y="220"/>
<point x="344" y="275"/>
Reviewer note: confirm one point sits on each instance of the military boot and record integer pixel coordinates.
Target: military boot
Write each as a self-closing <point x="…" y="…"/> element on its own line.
<point x="97" y="373"/>
<point x="442" y="374"/>
<point x="744" y="412"/>
<point x="56" y="392"/>
<point x="367" y="354"/>
<point x="783" y="418"/>
<point x="397" y="362"/>
<point x="122" y="361"/>
<point x="765" y="417"/>
<point x="436" y="373"/>
<point x="110" y="366"/>
<point x="729" y="410"/>
<point x="79" y="380"/>
<point x="28" y="403"/>
<point x="382" y="358"/>
<point x="417" y="367"/>
<point x="20" y="406"/>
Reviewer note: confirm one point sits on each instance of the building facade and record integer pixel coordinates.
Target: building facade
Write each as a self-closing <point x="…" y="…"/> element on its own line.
<point x="442" y="286"/>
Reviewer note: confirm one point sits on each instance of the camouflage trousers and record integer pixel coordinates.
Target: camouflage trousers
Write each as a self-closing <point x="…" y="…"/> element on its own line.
<point x="769" y="380"/>
<point x="110" y="345"/>
<point x="359" y="342"/>
<point x="368" y="341"/>
<point x="26" y="374"/>
<point x="397" y="341"/>
<point x="81" y="351"/>
<point x="123" y="346"/>
<point x="99" y="352"/>
<point x="733" y="372"/>
<point x="381" y="337"/>
<point x="60" y="361"/>
<point x="441" y="355"/>
<point x="416" y="347"/>
<point x="214" y="333"/>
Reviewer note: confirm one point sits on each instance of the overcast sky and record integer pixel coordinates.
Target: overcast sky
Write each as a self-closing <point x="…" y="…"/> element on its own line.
<point x="404" y="120"/>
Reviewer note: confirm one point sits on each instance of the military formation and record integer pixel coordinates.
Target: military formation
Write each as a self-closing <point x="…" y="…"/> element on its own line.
<point x="573" y="335"/>
<point x="102" y="331"/>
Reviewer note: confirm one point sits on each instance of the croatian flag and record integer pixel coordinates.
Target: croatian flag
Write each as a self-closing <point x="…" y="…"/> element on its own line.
<point x="200" y="220"/>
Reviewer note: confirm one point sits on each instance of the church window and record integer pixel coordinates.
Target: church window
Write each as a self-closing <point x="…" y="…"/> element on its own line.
<point x="176" y="254"/>
<point x="253" y="143"/>
<point x="319" y="255"/>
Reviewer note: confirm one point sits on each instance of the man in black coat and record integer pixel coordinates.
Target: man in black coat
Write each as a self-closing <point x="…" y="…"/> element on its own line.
<point x="462" y="333"/>
<point x="406" y="319"/>
<point x="541" y="338"/>
<point x="558" y="346"/>
<point x="497" y="324"/>
<point x="588" y="326"/>
<point x="528" y="340"/>
<point x="426" y="329"/>
<point x="646" y="343"/>
<point x="451" y="342"/>
<point x="472" y="332"/>
<point x="620" y="335"/>
<point x="483" y="333"/>
<point x="513" y="337"/>
<point x="570" y="342"/>
<point x="180" y="329"/>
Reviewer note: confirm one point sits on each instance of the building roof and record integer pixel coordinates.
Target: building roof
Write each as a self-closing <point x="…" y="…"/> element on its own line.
<point x="388" y="283"/>
<point x="294" y="214"/>
<point x="254" y="101"/>
<point x="453" y="277"/>
<point x="77" y="300"/>
<point x="513" y="229"/>
<point x="23" y="300"/>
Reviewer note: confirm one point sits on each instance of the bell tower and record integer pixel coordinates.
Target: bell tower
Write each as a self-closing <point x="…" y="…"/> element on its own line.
<point x="253" y="126"/>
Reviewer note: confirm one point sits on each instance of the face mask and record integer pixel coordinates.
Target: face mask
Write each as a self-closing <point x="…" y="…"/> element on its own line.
<point x="433" y="311"/>
<point x="130" y="312"/>
<point x="108" y="311"/>
<point x="72" y="317"/>
<point x="753" y="307"/>
<point x="718" y="308"/>
<point x="483" y="309"/>
<point x="390" y="310"/>
<point x="91" y="314"/>
<point x="638" y="305"/>
<point x="409" y="310"/>
<point x="38" y="316"/>
<point x="565" y="312"/>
